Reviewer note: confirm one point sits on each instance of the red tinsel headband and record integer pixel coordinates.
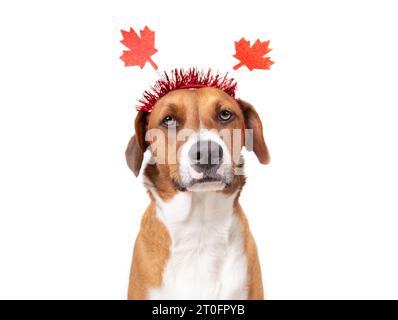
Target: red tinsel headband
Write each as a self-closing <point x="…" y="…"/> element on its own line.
<point x="185" y="79"/>
<point x="141" y="48"/>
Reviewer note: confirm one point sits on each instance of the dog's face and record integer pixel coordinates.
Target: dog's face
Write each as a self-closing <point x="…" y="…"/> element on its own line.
<point x="195" y="137"/>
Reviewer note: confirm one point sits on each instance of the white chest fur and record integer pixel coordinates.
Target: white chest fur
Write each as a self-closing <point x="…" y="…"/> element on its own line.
<point x="207" y="258"/>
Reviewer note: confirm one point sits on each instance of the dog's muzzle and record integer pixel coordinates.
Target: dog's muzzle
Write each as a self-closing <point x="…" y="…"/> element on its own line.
<point x="205" y="163"/>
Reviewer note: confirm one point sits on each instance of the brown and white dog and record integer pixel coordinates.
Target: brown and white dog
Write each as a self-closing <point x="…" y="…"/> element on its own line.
<point x="194" y="241"/>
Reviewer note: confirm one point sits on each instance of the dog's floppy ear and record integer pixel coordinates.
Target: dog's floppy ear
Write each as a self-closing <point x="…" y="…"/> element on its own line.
<point x="137" y="144"/>
<point x="253" y="121"/>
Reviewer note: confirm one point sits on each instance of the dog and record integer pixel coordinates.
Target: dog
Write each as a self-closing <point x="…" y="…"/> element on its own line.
<point x="194" y="241"/>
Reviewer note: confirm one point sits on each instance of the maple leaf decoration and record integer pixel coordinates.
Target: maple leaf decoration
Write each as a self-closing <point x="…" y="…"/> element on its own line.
<point x="141" y="49"/>
<point x="252" y="57"/>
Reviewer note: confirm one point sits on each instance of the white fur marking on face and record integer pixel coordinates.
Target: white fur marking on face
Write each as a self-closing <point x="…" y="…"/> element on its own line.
<point x="207" y="257"/>
<point x="194" y="174"/>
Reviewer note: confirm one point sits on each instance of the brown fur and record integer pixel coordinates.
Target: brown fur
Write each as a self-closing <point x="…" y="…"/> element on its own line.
<point x="151" y="251"/>
<point x="255" y="283"/>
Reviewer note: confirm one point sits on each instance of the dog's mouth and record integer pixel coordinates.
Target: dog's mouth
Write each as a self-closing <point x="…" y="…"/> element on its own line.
<point x="208" y="183"/>
<point x="205" y="179"/>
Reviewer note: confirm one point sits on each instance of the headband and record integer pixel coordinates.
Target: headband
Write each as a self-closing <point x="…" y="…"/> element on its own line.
<point x="142" y="48"/>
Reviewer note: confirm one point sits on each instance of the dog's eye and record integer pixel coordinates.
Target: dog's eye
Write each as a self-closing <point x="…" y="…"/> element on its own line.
<point x="169" y="122"/>
<point x="225" y="115"/>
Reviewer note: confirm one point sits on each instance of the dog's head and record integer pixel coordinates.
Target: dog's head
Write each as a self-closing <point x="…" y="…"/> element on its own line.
<point x="195" y="137"/>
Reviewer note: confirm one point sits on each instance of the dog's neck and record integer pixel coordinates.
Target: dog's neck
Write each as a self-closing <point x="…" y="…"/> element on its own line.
<point x="199" y="208"/>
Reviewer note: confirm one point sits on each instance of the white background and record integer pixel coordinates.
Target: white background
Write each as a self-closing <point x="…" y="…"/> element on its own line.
<point x="324" y="212"/>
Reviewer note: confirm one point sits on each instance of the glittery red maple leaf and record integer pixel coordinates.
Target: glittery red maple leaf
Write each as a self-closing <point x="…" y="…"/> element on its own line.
<point x="252" y="57"/>
<point x="141" y="49"/>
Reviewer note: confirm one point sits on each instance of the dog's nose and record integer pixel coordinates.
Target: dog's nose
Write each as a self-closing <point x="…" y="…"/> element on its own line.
<point x="206" y="155"/>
